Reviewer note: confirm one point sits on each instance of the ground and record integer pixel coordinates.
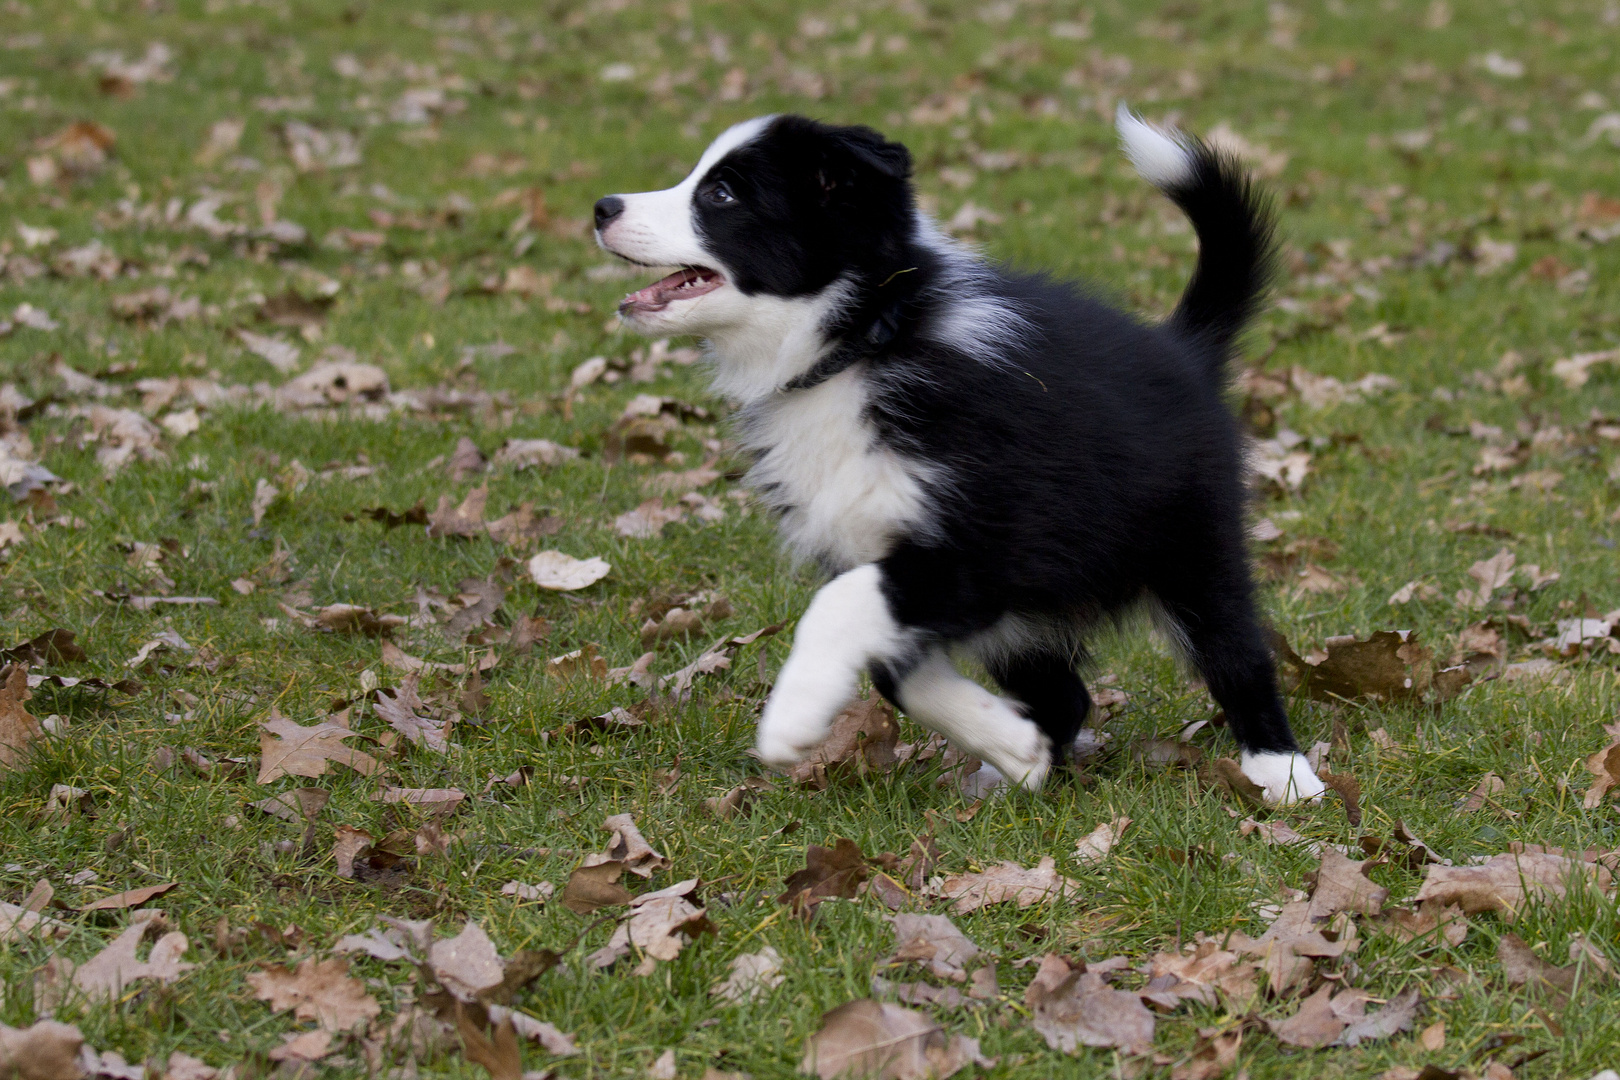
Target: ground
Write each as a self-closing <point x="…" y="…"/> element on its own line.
<point x="411" y="182"/>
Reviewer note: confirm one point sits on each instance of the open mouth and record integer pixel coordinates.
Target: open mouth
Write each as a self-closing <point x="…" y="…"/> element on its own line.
<point x="687" y="283"/>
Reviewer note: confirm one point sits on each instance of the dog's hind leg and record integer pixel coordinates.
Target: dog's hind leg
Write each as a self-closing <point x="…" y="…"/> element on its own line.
<point x="976" y="721"/>
<point x="847" y="627"/>
<point x="1217" y="622"/>
<point x="1051" y="690"/>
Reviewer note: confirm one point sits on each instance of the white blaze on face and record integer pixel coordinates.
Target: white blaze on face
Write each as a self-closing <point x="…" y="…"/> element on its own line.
<point x="656" y="227"/>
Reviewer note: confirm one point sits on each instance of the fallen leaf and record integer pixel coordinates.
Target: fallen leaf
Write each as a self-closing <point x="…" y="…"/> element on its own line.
<point x="273" y="351"/>
<point x="1396" y="1016"/>
<point x="738" y="801"/>
<point x="1095" y="845"/>
<point x="660" y="925"/>
<point x="1321" y="1018"/>
<point x="350" y="844"/>
<point x="862" y="740"/>
<point x="932" y="940"/>
<point x="500" y="1056"/>
<point x="463" y="520"/>
<point x="1008" y="882"/>
<point x="105" y="976"/>
<point x="1389" y="665"/>
<point x="1603" y="765"/>
<point x="648" y="519"/>
<point x="1433" y="1037"/>
<point x="564" y="573"/>
<point x="629" y="848"/>
<point x="523" y="891"/>
<point x="1522" y="967"/>
<point x="1213" y="1055"/>
<point x="45" y="1050"/>
<point x="290" y="749"/>
<point x="1490" y="785"/>
<point x="303" y="1046"/>
<point x="19" y="730"/>
<point x="402" y="709"/>
<point x="590" y="888"/>
<point x="1226" y="774"/>
<point x="835" y="871"/>
<point x="437" y="799"/>
<point x="1505" y="883"/>
<point x="1430" y="920"/>
<point x="465" y="460"/>
<point x="322" y="991"/>
<point x="1200" y="972"/>
<point x="130" y="899"/>
<point x="749" y="976"/>
<point x="1342" y="885"/>
<point x="664" y="1067"/>
<point x="467" y="965"/>
<point x="873" y="1040"/>
<point x="1079" y="1009"/>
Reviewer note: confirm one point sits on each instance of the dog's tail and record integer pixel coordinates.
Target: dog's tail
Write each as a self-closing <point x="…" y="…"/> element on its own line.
<point x="1234" y="224"/>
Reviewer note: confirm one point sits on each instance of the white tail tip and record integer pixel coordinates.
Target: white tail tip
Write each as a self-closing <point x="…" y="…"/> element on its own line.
<point x="1163" y="158"/>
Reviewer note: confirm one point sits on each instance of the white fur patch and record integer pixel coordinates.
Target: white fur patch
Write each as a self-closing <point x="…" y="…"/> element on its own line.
<point x="844" y="497"/>
<point x="1161" y="157"/>
<point x="936" y="695"/>
<point x="847" y="626"/>
<point x="1284" y="778"/>
<point x="971" y="317"/>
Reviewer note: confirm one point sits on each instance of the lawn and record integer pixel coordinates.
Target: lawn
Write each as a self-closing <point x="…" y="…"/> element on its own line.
<point x="307" y="353"/>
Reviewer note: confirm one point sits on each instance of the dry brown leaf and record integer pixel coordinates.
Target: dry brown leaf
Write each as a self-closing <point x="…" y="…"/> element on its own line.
<point x="592" y="887"/>
<point x="114" y="969"/>
<point x="1505" y="883"/>
<point x="1008" y="881"/>
<point x="739" y="800"/>
<point x="1213" y="1055"/>
<point x="581" y="663"/>
<point x="932" y="940"/>
<point x="1342" y="885"/>
<point x="660" y="925"/>
<point x="1522" y="967"/>
<point x="1226" y="774"/>
<point x="828" y="872"/>
<point x="467" y="965"/>
<point x="290" y="749"/>
<point x="1397" y="1015"/>
<point x="1430" y="919"/>
<point x="862" y="741"/>
<point x="750" y="975"/>
<point x="1321" y="1018"/>
<point x="303" y="1046"/>
<point x="500" y="1056"/>
<point x="1389" y="665"/>
<point x="1080" y="1009"/>
<point x="19" y="729"/>
<point x="1095" y="845"/>
<point x="351" y="843"/>
<point x="439" y="800"/>
<point x="403" y="711"/>
<point x="45" y="1050"/>
<point x="1605" y="768"/>
<point x="1200" y="972"/>
<point x="130" y="899"/>
<point x="1489" y="786"/>
<point x="629" y="847"/>
<point x="873" y="1040"/>
<point x="464" y="520"/>
<point x="322" y="991"/>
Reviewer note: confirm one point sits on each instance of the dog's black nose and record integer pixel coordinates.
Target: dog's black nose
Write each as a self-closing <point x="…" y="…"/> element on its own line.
<point x="607" y="209"/>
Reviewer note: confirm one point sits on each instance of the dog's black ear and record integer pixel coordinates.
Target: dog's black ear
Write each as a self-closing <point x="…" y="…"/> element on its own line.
<point x="850" y="152"/>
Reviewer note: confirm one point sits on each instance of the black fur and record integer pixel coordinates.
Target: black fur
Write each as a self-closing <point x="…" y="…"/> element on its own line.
<point x="1091" y="464"/>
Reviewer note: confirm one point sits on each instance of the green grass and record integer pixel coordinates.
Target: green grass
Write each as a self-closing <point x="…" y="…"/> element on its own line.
<point x="1507" y="160"/>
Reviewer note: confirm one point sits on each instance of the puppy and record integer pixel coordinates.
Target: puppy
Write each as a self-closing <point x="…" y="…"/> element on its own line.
<point x="985" y="463"/>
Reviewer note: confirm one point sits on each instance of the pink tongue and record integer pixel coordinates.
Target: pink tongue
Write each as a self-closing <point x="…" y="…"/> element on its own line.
<point x="658" y="291"/>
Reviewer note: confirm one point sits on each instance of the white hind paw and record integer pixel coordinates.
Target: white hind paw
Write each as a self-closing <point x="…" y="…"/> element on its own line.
<point x="1283" y="778"/>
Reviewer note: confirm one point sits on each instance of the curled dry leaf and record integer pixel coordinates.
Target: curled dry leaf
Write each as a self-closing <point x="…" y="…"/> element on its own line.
<point x="523" y="891"/>
<point x="322" y="991"/>
<point x="739" y="800"/>
<point x="1008" y="882"/>
<point x="1095" y="845"/>
<point x="1076" y="1007"/>
<point x="932" y="940"/>
<point x="564" y="573"/>
<point x="1431" y="922"/>
<point x="629" y="848"/>
<point x="1200" y="972"/>
<point x="133" y="898"/>
<point x="862" y="741"/>
<point x="45" y="1050"/>
<point x="1505" y="883"/>
<point x="874" y="1040"/>
<point x="581" y="663"/>
<point x="590" y="888"/>
<point x="1227" y="775"/>
<point x="1213" y="1055"/>
<point x="750" y="975"/>
<point x="660" y="925"/>
<point x="403" y="710"/>
<point x="290" y="749"/>
<point x="1322" y="1017"/>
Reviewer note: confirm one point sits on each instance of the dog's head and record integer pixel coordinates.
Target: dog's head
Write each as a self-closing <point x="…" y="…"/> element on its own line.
<point x="779" y="206"/>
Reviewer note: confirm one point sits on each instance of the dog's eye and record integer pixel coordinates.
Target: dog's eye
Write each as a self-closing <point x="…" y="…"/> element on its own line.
<point x="721" y="193"/>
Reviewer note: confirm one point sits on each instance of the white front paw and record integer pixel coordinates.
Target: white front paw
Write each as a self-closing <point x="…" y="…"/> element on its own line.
<point x="1283" y="778"/>
<point x="775" y="750"/>
<point x="785" y="739"/>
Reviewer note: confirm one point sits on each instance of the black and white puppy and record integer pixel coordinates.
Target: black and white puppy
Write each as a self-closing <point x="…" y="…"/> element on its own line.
<point x="986" y="463"/>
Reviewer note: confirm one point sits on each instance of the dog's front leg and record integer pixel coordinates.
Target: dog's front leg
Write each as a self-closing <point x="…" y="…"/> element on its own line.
<point x="847" y="626"/>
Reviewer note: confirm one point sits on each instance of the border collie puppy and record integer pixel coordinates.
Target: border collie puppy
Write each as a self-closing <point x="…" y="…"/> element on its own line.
<point x="985" y="463"/>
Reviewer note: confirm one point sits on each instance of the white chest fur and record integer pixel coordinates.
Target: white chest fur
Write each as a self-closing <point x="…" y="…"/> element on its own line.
<point x="844" y="497"/>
